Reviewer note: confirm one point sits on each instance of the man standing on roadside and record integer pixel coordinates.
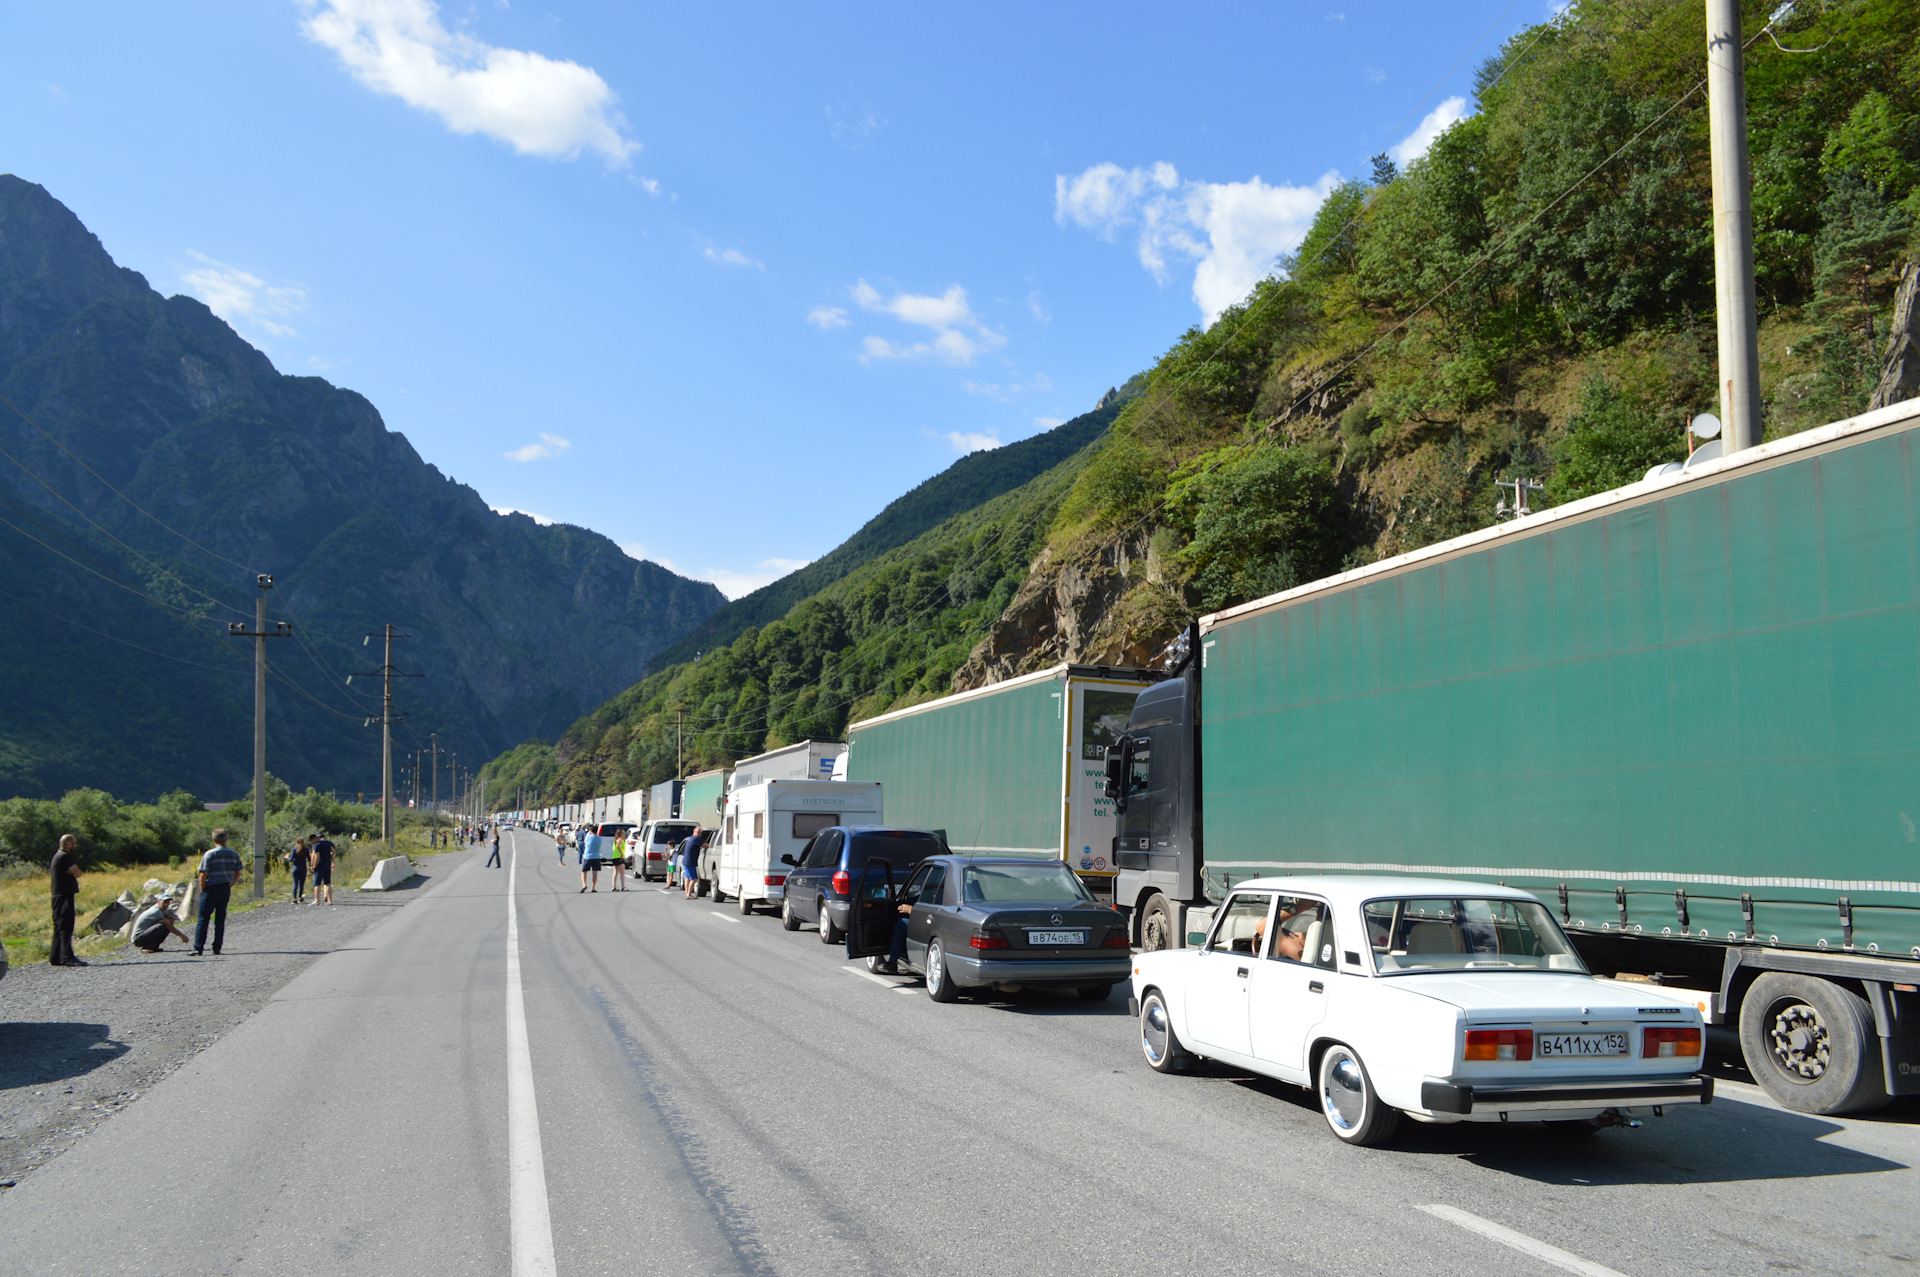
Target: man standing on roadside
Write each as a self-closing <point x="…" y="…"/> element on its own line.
<point x="66" y="885"/>
<point x="493" y="861"/>
<point x="219" y="870"/>
<point x="322" y="867"/>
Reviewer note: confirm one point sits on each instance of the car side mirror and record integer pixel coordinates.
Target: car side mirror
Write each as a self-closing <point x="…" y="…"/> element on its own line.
<point x="788" y="860"/>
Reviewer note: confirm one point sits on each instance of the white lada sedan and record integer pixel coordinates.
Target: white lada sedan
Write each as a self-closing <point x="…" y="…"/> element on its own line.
<point x="1443" y="1001"/>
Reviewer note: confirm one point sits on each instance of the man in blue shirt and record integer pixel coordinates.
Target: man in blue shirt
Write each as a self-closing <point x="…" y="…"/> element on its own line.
<point x="219" y="870"/>
<point x="589" y="843"/>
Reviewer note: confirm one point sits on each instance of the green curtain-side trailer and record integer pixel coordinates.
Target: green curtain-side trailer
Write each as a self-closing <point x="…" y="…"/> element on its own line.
<point x="1013" y="769"/>
<point x="703" y="795"/>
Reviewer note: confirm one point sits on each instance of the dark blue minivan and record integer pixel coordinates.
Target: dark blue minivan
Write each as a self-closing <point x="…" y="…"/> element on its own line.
<point x="823" y="874"/>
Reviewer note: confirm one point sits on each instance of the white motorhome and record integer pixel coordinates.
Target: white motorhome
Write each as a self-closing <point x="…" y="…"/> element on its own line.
<point x="778" y="818"/>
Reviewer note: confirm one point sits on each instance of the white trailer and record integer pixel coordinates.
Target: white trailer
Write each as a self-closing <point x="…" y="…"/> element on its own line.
<point x="807" y="760"/>
<point x="778" y="818"/>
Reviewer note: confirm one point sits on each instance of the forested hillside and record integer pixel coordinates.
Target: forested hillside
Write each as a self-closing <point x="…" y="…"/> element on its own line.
<point x="1532" y="299"/>
<point x="154" y="463"/>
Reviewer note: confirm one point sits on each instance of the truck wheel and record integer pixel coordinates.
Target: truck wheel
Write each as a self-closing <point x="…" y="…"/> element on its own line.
<point x="1353" y="1109"/>
<point x="1812" y="1044"/>
<point x="789" y="920"/>
<point x="940" y="985"/>
<point x="1158" y="1042"/>
<point x="829" y="934"/>
<point x="1156" y="926"/>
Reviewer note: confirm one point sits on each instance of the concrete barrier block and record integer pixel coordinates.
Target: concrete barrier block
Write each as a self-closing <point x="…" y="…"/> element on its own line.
<point x="388" y="874"/>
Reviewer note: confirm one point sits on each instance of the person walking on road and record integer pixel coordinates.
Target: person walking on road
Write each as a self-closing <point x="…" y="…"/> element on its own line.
<point x="65" y="870"/>
<point x="560" y="845"/>
<point x="297" y="866"/>
<point x="589" y="858"/>
<point x="219" y="870"/>
<point x="322" y="852"/>
<point x="493" y="861"/>
<point x="619" y="863"/>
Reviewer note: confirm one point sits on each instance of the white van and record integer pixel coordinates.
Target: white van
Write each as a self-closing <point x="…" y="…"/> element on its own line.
<point x="649" y="851"/>
<point x="778" y="818"/>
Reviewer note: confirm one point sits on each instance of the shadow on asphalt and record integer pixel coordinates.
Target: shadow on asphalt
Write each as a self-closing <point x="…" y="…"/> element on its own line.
<point x="1724" y="1142"/>
<point x="1050" y="1002"/>
<point x="36" y="1054"/>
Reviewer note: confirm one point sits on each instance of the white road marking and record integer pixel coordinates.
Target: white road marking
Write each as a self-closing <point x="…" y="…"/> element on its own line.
<point x="868" y="975"/>
<point x="1562" y="1259"/>
<point x="529" y="1224"/>
<point x="723" y="917"/>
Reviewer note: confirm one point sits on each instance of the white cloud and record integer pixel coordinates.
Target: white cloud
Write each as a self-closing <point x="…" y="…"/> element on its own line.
<point x="731" y="257"/>
<point x="1005" y="391"/>
<point x="1234" y="232"/>
<point x="239" y="296"/>
<point x="1376" y="76"/>
<point x="958" y="335"/>
<point x="540" y="519"/>
<point x="1048" y="423"/>
<point x="965" y="441"/>
<point x="1037" y="309"/>
<point x="549" y="446"/>
<point x="1437" y="121"/>
<point x="730" y="582"/>
<point x="535" y="104"/>
<point x="828" y="317"/>
<point x="854" y="126"/>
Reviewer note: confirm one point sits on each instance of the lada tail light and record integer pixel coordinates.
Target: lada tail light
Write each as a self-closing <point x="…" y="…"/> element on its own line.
<point x="1499" y="1044"/>
<point x="981" y="941"/>
<point x="1660" y="1042"/>
<point x="842" y="883"/>
<point x="776" y="880"/>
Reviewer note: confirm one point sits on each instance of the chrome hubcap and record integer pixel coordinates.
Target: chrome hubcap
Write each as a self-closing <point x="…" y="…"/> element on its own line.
<point x="1800" y="1044"/>
<point x="936" y="966"/>
<point x="1153" y="1031"/>
<point x="1343" y="1092"/>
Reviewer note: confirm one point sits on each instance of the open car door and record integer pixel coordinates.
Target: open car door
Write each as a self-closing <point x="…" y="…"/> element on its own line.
<point x="871" y="912"/>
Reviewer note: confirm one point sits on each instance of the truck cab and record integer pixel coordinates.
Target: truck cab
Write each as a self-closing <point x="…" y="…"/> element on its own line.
<point x="1153" y="778"/>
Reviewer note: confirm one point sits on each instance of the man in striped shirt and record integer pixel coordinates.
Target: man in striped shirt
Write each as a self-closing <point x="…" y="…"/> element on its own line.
<point x="219" y="870"/>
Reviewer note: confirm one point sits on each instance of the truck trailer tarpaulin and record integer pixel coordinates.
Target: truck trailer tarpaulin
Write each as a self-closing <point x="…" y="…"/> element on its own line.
<point x="1016" y="768"/>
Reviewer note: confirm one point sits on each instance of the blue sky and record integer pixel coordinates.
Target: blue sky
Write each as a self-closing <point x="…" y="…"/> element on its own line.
<point x="717" y="280"/>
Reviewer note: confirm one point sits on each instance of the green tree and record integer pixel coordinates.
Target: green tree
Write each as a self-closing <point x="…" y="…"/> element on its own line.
<point x="1612" y="441"/>
<point x="1257" y="521"/>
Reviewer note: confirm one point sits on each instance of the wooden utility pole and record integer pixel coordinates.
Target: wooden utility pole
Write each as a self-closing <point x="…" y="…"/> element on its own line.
<point x="1732" y="227"/>
<point x="260" y="634"/>
<point x="433" y="836"/>
<point x="678" y="762"/>
<point x="388" y="718"/>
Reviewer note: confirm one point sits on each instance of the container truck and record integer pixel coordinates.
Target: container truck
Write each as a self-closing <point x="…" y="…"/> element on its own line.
<point x="1016" y="768"/>
<point x="1685" y="714"/>
<point x="704" y="797"/>
<point x="806" y="760"/>
<point x="664" y="804"/>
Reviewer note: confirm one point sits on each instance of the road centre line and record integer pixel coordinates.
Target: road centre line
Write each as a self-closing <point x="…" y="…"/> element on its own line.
<point x="723" y="917"/>
<point x="529" y="1224"/>
<point x="1562" y="1259"/>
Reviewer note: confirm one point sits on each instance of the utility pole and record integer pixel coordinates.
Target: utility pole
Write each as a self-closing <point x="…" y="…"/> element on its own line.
<point x="260" y="634"/>
<point x="387" y="719"/>
<point x="1732" y="227"/>
<point x="434" y="836"/>
<point x="453" y="779"/>
<point x="678" y="762"/>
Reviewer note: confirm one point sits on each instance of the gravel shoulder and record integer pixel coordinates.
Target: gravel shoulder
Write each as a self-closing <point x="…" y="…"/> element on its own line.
<point x="78" y="1044"/>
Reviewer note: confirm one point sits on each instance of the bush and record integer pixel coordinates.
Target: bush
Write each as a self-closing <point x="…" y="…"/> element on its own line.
<point x="1612" y="441"/>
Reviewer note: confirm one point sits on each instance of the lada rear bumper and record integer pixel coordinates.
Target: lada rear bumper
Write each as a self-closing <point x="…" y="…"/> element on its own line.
<point x="1464" y="1098"/>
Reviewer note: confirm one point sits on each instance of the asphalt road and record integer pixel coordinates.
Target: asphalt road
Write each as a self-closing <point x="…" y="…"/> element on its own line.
<point x="699" y="1092"/>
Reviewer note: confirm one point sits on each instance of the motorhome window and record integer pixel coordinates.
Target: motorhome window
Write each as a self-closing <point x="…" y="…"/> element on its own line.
<point x="759" y="824"/>
<point x="1465" y="933"/>
<point x="1042" y="882"/>
<point x="808" y="823"/>
<point x="901" y="850"/>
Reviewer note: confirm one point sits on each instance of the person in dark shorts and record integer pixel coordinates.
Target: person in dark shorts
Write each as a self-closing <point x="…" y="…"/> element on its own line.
<point x="219" y="870"/>
<point x="65" y="869"/>
<point x="589" y="844"/>
<point x="322" y="851"/>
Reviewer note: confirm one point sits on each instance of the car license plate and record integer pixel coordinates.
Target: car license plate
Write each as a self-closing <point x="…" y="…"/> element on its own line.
<point x="1056" y="937"/>
<point x="1557" y="1044"/>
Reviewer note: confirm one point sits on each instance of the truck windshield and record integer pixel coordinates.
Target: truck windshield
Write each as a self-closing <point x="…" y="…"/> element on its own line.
<point x="1044" y="882"/>
<point x="1466" y="934"/>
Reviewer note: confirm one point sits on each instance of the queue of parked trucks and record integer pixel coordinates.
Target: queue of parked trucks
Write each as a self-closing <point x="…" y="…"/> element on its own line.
<point x="1683" y="715"/>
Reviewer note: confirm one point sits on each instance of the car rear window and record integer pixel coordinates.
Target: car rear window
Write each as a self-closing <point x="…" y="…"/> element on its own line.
<point x="1043" y="882"/>
<point x="902" y="850"/>
<point x="672" y="832"/>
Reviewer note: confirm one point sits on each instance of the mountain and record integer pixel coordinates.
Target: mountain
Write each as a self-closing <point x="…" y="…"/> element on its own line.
<point x="1531" y="299"/>
<point x="966" y="484"/>
<point x="155" y="463"/>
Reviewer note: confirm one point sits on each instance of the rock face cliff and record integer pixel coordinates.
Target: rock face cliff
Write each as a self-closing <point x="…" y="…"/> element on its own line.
<point x="157" y="462"/>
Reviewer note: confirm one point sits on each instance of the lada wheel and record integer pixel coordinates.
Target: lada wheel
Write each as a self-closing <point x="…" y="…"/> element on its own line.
<point x="1811" y="1044"/>
<point x="788" y="918"/>
<point x="1348" y="1101"/>
<point x="940" y="985"/>
<point x="829" y="934"/>
<point x="1158" y="1042"/>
